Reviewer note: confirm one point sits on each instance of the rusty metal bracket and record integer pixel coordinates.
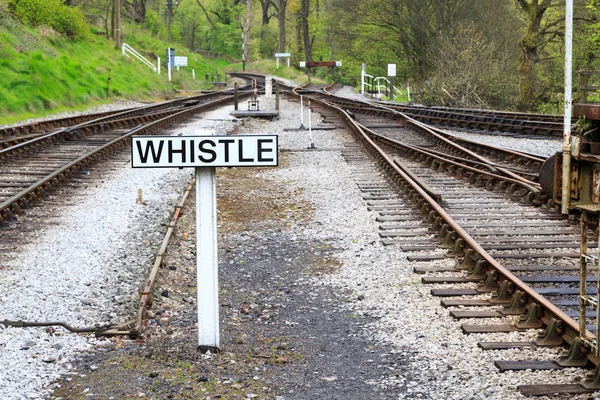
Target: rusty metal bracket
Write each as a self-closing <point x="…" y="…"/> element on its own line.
<point x="459" y="248"/>
<point x="480" y="271"/>
<point x="575" y="356"/>
<point x="519" y="299"/>
<point x="551" y="336"/>
<point x="469" y="260"/>
<point x="502" y="295"/>
<point x="531" y="320"/>
<point x="490" y="284"/>
<point x="592" y="381"/>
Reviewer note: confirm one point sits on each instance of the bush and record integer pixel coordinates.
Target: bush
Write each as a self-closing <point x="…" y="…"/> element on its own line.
<point x="63" y="19"/>
<point x="469" y="72"/>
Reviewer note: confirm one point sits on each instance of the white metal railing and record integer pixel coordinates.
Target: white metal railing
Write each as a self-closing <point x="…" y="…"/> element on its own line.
<point x="378" y="85"/>
<point x="128" y="49"/>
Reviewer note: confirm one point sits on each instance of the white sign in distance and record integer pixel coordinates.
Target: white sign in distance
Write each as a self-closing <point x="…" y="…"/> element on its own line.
<point x="391" y="69"/>
<point x="338" y="63"/>
<point x="282" y="55"/>
<point x="180" y="61"/>
<point x="302" y="64"/>
<point x="204" y="151"/>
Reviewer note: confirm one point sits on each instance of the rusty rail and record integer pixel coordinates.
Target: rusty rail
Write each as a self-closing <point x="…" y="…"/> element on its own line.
<point x="429" y="207"/>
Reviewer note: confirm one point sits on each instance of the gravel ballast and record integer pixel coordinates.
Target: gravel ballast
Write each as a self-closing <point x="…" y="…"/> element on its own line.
<point x="87" y="269"/>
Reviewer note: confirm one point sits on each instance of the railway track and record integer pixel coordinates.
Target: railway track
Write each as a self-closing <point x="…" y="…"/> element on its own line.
<point x="516" y="260"/>
<point x="35" y="162"/>
<point x="441" y="197"/>
<point x="506" y="123"/>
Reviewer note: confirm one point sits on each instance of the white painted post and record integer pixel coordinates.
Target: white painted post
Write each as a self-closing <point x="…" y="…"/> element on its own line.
<point x="566" y="172"/>
<point x="362" y="78"/>
<point x="158" y="64"/>
<point x="194" y="74"/>
<point x="312" y="142"/>
<point x="178" y="68"/>
<point x="207" y="259"/>
<point x="277" y="62"/>
<point x="301" y="111"/>
<point x="269" y="86"/>
<point x="288" y="62"/>
<point x="408" y="89"/>
<point x="169" y="67"/>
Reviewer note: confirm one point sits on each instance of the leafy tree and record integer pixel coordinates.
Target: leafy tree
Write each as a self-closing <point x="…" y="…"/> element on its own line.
<point x="66" y="20"/>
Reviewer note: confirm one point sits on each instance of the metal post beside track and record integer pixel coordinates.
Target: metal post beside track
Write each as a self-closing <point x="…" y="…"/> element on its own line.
<point x="206" y="260"/>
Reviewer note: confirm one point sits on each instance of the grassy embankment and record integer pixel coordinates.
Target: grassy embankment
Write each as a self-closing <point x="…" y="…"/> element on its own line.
<point x="42" y="72"/>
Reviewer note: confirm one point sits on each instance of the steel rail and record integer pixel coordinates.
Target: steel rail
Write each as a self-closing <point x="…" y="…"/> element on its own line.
<point x="134" y="327"/>
<point x="414" y="122"/>
<point x="442" y="137"/>
<point x="37" y="190"/>
<point x="375" y="108"/>
<point x="30" y="128"/>
<point x="525" y="185"/>
<point x="570" y="331"/>
<point x="105" y="119"/>
<point x="514" y="114"/>
<point x="423" y="127"/>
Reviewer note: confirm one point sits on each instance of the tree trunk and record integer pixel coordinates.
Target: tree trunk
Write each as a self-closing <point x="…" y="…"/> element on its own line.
<point x="281" y="18"/>
<point x="265" y="4"/>
<point x="304" y="10"/>
<point x="299" y="35"/>
<point x="247" y="27"/>
<point x="529" y="52"/>
<point x="527" y="92"/>
<point x="139" y="11"/>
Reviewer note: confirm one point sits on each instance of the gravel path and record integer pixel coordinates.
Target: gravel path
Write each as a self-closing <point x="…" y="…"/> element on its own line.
<point x="415" y="349"/>
<point x="85" y="270"/>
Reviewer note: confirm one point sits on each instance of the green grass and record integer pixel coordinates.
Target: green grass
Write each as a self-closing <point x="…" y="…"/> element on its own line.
<point x="43" y="73"/>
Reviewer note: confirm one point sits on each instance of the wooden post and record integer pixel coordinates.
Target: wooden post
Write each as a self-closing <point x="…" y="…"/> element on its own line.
<point x="235" y="96"/>
<point x="277" y="95"/>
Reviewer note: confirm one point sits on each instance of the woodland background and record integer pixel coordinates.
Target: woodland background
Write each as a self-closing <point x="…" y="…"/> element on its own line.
<point x="501" y="54"/>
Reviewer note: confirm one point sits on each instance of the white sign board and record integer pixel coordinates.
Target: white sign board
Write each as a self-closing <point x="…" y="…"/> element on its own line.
<point x="302" y="64"/>
<point x="282" y="55"/>
<point x="204" y="151"/>
<point x="391" y="69"/>
<point x="338" y="63"/>
<point x="180" y="61"/>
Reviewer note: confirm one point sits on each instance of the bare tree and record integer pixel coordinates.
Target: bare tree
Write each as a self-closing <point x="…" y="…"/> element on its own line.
<point x="281" y="6"/>
<point x="307" y="41"/>
<point x="247" y="26"/>
<point x="530" y="45"/>
<point x="136" y="10"/>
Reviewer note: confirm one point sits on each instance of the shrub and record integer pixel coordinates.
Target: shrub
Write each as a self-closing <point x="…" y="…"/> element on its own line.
<point x="63" y="19"/>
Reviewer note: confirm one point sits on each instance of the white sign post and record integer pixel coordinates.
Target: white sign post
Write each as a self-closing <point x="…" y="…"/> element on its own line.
<point x="180" y="61"/>
<point x="283" y="55"/>
<point x="205" y="153"/>
<point x="391" y="75"/>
